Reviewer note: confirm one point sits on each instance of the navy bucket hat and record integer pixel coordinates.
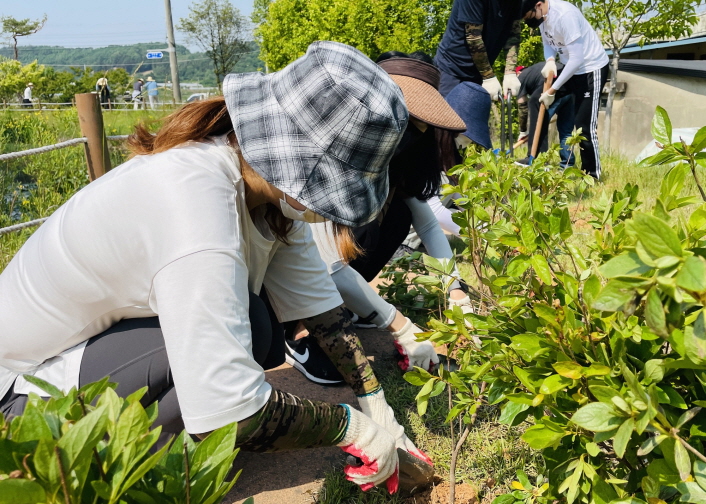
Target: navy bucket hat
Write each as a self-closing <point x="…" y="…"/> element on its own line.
<point x="322" y="129"/>
<point x="472" y="103"/>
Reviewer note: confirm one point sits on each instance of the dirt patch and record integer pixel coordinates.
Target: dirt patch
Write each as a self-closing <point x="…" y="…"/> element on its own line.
<point x="439" y="494"/>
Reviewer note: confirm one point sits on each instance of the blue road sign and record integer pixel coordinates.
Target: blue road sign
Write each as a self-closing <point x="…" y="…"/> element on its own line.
<point x="154" y="54"/>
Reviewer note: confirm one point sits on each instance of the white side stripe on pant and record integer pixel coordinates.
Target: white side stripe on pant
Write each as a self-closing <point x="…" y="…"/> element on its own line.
<point x="594" y="118"/>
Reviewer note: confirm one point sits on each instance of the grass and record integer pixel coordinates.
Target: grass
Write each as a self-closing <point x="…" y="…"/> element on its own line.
<point x="34" y="186"/>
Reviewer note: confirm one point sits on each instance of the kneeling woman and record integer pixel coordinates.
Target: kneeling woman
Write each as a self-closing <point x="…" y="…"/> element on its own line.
<point x="147" y="275"/>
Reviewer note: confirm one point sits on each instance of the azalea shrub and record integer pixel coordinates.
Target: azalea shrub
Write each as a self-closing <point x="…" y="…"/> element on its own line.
<point x="599" y="344"/>
<point x="91" y="446"/>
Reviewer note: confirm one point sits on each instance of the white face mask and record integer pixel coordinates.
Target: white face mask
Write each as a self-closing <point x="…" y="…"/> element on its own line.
<point x="300" y="215"/>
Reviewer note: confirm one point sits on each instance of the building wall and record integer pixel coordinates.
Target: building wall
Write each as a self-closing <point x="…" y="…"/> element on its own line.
<point x="681" y="52"/>
<point x="684" y="98"/>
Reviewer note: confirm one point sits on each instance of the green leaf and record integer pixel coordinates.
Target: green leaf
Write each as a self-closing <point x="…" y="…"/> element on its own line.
<point x="83" y="436"/>
<point x="662" y="126"/>
<point x="510" y="411"/>
<point x="682" y="461"/>
<point x="687" y="417"/>
<point x="654" y="370"/>
<point x="657" y="238"/>
<point x="596" y="370"/>
<point x="597" y="417"/>
<point x="568" y="369"/>
<point x="541" y="267"/>
<point x="31" y="426"/>
<point x="614" y="296"/>
<point x="554" y="383"/>
<point x="654" y="314"/>
<point x="692" y="275"/>
<point x="430" y="281"/>
<point x="539" y="437"/>
<point x="624" y="265"/>
<point x="591" y="288"/>
<point x="21" y="491"/>
<point x="699" y="142"/>
<point x="45" y="386"/>
<point x="593" y="449"/>
<point x="700" y="473"/>
<point x="603" y="393"/>
<point x="695" y="340"/>
<point x="623" y="437"/>
<point x="692" y="492"/>
<point x="517" y="267"/>
<point x="502" y="499"/>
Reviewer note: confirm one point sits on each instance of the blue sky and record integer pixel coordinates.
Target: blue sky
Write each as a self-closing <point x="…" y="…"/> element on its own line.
<point x="84" y="23"/>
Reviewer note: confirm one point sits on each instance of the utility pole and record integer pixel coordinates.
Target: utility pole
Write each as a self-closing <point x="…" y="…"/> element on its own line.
<point x="172" y="52"/>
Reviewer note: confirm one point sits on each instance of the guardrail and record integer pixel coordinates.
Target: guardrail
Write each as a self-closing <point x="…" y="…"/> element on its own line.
<point x="94" y="141"/>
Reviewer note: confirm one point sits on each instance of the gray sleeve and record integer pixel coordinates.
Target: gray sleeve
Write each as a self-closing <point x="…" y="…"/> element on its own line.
<point x="361" y="298"/>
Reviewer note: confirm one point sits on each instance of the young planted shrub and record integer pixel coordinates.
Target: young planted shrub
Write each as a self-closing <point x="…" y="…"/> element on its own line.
<point x="602" y="347"/>
<point x="91" y="446"/>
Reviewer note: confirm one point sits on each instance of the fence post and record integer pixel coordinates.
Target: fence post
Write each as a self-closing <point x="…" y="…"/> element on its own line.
<point x="90" y="119"/>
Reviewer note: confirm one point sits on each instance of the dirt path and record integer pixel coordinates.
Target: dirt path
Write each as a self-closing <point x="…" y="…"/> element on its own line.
<point x="293" y="477"/>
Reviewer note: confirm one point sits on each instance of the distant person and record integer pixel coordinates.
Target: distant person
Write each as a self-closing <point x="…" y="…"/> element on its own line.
<point x="27" y="97"/>
<point x="103" y="90"/>
<point x="528" y="103"/>
<point x="566" y="32"/>
<point x="137" y="92"/>
<point x="476" y="33"/>
<point x="152" y="93"/>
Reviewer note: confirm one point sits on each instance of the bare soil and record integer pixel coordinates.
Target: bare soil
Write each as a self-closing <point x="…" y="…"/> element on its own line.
<point x="439" y="494"/>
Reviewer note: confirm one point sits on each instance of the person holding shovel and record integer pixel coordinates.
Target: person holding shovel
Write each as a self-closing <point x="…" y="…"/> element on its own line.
<point x="566" y="32"/>
<point x="150" y="275"/>
<point x="476" y="33"/>
<point x="423" y="155"/>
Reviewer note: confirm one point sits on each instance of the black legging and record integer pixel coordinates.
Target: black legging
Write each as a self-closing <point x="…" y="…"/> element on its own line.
<point x="133" y="354"/>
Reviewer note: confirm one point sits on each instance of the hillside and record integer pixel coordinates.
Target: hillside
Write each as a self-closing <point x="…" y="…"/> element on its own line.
<point x="193" y="66"/>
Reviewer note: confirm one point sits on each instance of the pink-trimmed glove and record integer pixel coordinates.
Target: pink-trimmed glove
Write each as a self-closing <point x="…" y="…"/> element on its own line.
<point x="375" y="447"/>
<point x="375" y="406"/>
<point x="415" y="353"/>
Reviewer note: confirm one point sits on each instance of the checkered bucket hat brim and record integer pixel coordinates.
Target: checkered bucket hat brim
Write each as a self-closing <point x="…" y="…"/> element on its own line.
<point x="322" y="130"/>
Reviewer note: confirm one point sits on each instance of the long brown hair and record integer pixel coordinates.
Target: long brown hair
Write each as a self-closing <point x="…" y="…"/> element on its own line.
<point x="200" y="120"/>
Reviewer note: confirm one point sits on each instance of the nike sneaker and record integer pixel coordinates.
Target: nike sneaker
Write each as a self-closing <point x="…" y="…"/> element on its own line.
<point x="363" y="322"/>
<point x="305" y="355"/>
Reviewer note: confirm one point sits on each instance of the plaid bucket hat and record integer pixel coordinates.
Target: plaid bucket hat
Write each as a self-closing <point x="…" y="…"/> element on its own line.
<point x="322" y="130"/>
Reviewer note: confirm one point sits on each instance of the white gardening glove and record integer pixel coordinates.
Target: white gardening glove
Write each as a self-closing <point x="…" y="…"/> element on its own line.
<point x="375" y="447"/>
<point x="493" y="87"/>
<point x="511" y="84"/>
<point x="523" y="135"/>
<point x="549" y="67"/>
<point x="547" y="99"/>
<point x="375" y="406"/>
<point x="463" y="303"/>
<point x="416" y="353"/>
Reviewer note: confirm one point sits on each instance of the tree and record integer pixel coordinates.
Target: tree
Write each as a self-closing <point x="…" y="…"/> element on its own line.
<point x="287" y="27"/>
<point x="13" y="28"/>
<point x="14" y="77"/>
<point x="621" y="21"/>
<point x="219" y="29"/>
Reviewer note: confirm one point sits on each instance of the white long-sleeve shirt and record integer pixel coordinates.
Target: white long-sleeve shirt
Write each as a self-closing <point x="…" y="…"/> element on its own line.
<point x="170" y="235"/>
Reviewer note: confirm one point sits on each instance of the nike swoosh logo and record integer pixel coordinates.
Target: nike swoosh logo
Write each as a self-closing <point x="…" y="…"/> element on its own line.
<point x="302" y="358"/>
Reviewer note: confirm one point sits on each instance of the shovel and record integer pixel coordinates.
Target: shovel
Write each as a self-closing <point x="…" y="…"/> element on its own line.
<point x="540" y="120"/>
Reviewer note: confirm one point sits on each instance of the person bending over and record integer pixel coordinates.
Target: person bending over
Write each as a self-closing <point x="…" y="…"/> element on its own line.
<point x="150" y="274"/>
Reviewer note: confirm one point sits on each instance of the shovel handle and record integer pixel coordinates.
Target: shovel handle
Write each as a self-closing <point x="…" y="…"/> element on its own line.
<point x="540" y="117"/>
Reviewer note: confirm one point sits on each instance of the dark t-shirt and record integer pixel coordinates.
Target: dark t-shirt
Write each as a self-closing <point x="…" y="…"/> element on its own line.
<point x="496" y="16"/>
<point x="531" y="78"/>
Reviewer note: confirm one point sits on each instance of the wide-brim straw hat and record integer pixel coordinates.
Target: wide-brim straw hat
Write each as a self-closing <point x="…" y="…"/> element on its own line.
<point x="150" y="78"/>
<point x="322" y="130"/>
<point x="419" y="82"/>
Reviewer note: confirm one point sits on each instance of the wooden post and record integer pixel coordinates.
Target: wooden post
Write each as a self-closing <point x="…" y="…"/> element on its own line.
<point x="90" y="119"/>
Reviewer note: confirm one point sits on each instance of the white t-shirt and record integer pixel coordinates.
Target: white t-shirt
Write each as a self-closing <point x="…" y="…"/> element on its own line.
<point x="565" y="25"/>
<point x="169" y="235"/>
<point x="28" y="93"/>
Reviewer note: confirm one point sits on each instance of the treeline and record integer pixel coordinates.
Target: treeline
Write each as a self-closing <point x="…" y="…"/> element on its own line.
<point x="193" y="66"/>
